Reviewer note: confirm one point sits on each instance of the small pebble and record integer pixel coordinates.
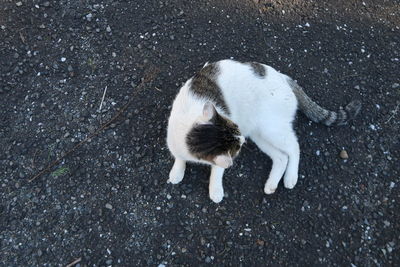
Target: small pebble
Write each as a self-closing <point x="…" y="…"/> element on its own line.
<point x="343" y="154"/>
<point x="108" y="206"/>
<point x="19" y="3"/>
<point x="89" y="17"/>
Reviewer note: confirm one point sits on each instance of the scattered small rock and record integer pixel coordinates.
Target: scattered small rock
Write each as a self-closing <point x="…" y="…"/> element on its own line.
<point x="89" y="17"/>
<point x="19" y="3"/>
<point x="343" y="154"/>
<point x="109" y="206"/>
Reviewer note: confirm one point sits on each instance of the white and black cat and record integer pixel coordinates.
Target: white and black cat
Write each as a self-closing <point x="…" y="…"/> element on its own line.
<point x="229" y="100"/>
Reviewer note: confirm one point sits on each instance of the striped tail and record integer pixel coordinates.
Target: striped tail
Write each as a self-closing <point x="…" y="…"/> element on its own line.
<point x="316" y="113"/>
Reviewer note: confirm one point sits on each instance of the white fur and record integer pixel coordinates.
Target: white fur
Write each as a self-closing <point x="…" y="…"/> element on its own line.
<point x="263" y="108"/>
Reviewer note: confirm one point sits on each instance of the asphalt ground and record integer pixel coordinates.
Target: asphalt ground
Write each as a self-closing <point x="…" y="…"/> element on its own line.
<point x="108" y="203"/>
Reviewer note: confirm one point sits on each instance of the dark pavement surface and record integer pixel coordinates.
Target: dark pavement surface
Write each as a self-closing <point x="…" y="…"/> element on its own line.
<point x="109" y="204"/>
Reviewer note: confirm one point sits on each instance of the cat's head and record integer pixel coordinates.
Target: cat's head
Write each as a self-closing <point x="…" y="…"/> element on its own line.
<point x="214" y="138"/>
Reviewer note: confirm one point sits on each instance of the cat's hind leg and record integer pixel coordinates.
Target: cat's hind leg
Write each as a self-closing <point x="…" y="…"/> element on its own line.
<point x="287" y="143"/>
<point x="279" y="163"/>
<point x="177" y="172"/>
<point x="292" y="170"/>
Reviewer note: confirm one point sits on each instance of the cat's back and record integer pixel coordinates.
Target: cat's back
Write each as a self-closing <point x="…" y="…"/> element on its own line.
<point x="255" y="91"/>
<point x="249" y="78"/>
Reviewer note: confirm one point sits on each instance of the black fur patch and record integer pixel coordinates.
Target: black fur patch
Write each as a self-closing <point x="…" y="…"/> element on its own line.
<point x="258" y="69"/>
<point x="206" y="141"/>
<point x="204" y="85"/>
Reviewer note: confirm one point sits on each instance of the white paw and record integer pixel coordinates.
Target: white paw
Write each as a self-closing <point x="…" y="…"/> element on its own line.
<point x="217" y="194"/>
<point x="290" y="181"/>
<point x="175" y="177"/>
<point x="269" y="189"/>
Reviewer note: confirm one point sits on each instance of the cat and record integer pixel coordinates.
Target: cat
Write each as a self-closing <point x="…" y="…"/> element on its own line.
<point x="227" y="101"/>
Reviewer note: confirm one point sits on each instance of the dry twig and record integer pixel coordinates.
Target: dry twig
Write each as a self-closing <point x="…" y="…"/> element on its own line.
<point x="393" y="114"/>
<point x="102" y="99"/>
<point x="22" y="38"/>
<point x="149" y="76"/>
<point x="74" y="262"/>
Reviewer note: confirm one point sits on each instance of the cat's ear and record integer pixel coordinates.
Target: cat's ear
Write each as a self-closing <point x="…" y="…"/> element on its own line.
<point x="223" y="161"/>
<point x="209" y="111"/>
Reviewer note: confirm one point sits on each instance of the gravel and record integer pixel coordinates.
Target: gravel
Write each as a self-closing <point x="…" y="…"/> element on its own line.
<point x="108" y="203"/>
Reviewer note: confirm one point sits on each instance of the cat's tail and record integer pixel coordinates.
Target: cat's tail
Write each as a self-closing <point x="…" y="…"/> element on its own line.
<point x="316" y="113"/>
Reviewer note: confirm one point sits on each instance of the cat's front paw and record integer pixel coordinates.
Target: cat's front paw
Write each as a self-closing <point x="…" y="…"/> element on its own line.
<point x="290" y="181"/>
<point x="269" y="189"/>
<point x="175" y="176"/>
<point x="216" y="194"/>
